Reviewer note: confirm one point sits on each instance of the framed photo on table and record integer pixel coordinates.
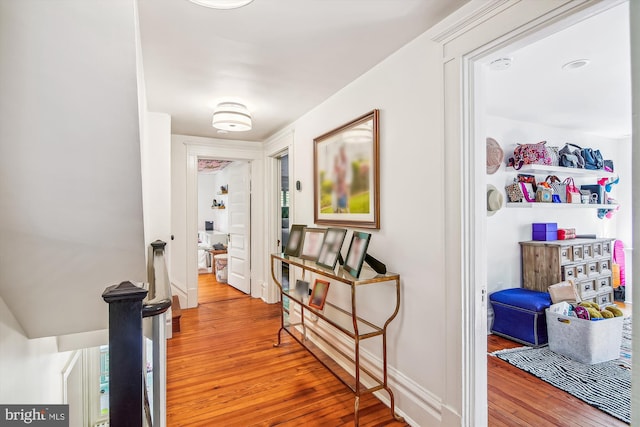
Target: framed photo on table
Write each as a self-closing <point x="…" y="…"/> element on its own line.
<point x="302" y="289"/>
<point x="295" y="239"/>
<point x="331" y="247"/>
<point x="312" y="243"/>
<point x="319" y="294"/>
<point x="357" y="253"/>
<point x="346" y="176"/>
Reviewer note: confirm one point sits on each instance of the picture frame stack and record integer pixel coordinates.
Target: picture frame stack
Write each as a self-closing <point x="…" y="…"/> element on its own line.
<point x="324" y="245"/>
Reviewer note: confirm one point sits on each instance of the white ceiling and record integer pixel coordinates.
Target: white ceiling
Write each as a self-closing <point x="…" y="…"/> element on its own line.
<point x="279" y="57"/>
<point x="594" y="99"/>
<point x="283" y="57"/>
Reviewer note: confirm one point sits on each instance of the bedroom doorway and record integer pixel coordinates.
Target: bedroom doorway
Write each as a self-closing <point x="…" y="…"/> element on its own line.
<point x="494" y="265"/>
<point x="250" y="156"/>
<point x="224" y="227"/>
<point x="213" y="215"/>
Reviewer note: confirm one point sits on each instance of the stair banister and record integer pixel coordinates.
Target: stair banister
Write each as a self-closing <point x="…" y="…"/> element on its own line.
<point x="128" y="304"/>
<point x="155" y="306"/>
<point x="125" y="354"/>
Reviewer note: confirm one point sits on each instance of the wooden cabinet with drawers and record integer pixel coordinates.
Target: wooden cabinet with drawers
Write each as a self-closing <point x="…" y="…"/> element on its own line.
<point x="585" y="261"/>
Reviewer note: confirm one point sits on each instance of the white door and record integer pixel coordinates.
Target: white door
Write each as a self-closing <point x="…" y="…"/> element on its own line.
<point x="239" y="208"/>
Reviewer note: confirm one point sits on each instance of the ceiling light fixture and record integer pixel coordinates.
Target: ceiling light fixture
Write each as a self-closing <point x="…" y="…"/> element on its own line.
<point x="222" y="4"/>
<point x="578" y="63"/>
<point x="232" y="117"/>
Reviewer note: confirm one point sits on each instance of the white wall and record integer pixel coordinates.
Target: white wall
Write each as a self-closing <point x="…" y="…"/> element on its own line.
<point x="208" y="189"/>
<point x="206" y="194"/>
<point x="71" y="221"/>
<point x="407" y="89"/>
<point x="509" y="226"/>
<point x="156" y="178"/>
<point x="31" y="369"/>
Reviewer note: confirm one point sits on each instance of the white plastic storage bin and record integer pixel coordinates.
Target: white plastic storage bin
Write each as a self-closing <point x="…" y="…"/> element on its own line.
<point x="220" y="262"/>
<point x="585" y="341"/>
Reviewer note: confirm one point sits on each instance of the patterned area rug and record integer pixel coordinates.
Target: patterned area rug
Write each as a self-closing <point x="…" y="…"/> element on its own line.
<point x="606" y="386"/>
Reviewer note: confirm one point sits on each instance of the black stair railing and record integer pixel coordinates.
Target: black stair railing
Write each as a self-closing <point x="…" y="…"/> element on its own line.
<point x="128" y="304"/>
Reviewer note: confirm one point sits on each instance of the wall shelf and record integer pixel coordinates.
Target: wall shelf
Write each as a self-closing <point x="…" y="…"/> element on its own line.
<point x="561" y="205"/>
<point x="549" y="170"/>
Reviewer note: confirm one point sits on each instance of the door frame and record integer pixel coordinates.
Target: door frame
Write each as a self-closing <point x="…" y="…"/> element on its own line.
<point x="274" y="148"/>
<point x="466" y="37"/>
<point x="223" y="150"/>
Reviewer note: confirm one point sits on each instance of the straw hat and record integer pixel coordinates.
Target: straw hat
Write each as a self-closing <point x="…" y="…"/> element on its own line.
<point x="494" y="156"/>
<point x="494" y="200"/>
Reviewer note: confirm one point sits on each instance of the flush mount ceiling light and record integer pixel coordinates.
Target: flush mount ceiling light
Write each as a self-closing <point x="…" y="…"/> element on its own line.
<point x="574" y="65"/>
<point x="232" y="117"/>
<point x="222" y="4"/>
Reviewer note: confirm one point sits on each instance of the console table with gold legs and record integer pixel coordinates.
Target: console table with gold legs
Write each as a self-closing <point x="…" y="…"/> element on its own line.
<point x="302" y="322"/>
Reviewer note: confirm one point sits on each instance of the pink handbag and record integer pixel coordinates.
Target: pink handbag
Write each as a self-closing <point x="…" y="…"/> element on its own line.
<point x="573" y="194"/>
<point x="530" y="154"/>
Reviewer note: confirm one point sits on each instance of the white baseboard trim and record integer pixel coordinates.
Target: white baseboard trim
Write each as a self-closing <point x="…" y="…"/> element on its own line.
<point x="269" y="293"/>
<point x="190" y="298"/>
<point x="417" y="405"/>
<point x="178" y="289"/>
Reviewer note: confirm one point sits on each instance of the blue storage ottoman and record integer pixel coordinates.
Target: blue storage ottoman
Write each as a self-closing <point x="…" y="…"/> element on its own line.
<point x="519" y="314"/>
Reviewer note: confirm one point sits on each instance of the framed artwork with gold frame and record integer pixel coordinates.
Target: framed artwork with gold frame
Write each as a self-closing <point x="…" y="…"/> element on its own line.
<point x="346" y="177"/>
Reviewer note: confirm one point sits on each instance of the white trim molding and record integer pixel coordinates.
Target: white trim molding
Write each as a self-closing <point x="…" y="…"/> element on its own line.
<point x="223" y="150"/>
<point x="407" y="393"/>
<point x="281" y="143"/>
<point x="471" y="33"/>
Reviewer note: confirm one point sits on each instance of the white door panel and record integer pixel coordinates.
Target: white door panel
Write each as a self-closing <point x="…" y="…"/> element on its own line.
<point x="239" y="253"/>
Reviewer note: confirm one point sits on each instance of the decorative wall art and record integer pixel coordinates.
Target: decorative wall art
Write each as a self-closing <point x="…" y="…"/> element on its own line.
<point x="347" y="174"/>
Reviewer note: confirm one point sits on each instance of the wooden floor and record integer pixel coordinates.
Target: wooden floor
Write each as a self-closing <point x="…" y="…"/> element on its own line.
<point x="224" y="371"/>
<point x="517" y="398"/>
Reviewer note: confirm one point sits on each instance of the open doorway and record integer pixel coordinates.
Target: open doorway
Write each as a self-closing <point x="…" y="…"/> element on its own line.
<point x="284" y="199"/>
<point x="224" y="213"/>
<point x="244" y="213"/>
<point x="568" y="83"/>
<point x="213" y="218"/>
